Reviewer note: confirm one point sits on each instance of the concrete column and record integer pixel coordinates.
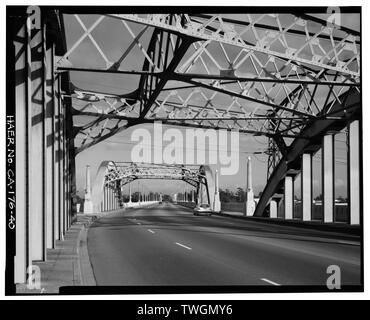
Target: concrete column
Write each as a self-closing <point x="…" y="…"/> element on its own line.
<point x="109" y="199"/>
<point x="22" y="260"/>
<point x="273" y="209"/>
<point x="354" y="173"/>
<point x="67" y="184"/>
<point x="49" y="144"/>
<point x="288" y="197"/>
<point x="103" y="200"/>
<point x="36" y="189"/>
<point x="250" y="205"/>
<point x="113" y="199"/>
<point x="57" y="157"/>
<point x="88" y="205"/>
<point x="306" y="181"/>
<point x="216" y="201"/>
<point x="61" y="162"/>
<point x="328" y="177"/>
<point x="65" y="170"/>
<point x="106" y="198"/>
<point x="129" y="188"/>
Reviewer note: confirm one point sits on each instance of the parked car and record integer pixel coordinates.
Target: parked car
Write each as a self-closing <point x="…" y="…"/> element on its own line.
<point x="202" y="209"/>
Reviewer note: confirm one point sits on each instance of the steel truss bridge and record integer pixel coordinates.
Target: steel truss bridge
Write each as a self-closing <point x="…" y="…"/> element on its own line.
<point x="113" y="176"/>
<point x="294" y="79"/>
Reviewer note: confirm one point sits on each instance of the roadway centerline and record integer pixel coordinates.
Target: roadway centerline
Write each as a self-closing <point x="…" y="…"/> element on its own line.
<point x="270" y="282"/>
<point x="182" y="245"/>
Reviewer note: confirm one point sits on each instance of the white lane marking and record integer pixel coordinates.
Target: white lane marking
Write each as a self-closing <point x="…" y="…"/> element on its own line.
<point x="270" y="282"/>
<point x="181" y="245"/>
<point x="151" y="231"/>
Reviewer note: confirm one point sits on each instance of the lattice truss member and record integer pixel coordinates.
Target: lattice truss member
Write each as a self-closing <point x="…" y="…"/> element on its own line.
<point x="261" y="74"/>
<point x="125" y="173"/>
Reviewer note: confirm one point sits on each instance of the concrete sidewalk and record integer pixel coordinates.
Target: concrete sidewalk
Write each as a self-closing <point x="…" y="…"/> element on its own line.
<point x="68" y="264"/>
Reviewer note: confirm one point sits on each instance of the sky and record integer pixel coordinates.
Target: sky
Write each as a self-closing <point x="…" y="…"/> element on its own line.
<point x="119" y="147"/>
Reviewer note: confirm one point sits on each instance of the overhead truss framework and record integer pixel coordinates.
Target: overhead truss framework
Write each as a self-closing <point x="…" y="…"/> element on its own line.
<point x="114" y="175"/>
<point x="125" y="172"/>
<point x="261" y="74"/>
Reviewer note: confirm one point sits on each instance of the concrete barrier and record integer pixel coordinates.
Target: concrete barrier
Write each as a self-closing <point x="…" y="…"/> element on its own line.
<point x="139" y="204"/>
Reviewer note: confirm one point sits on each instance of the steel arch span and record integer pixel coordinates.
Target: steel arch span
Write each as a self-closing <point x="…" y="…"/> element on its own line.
<point x="114" y="175"/>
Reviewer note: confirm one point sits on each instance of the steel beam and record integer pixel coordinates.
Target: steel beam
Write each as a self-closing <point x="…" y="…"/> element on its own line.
<point x="350" y="102"/>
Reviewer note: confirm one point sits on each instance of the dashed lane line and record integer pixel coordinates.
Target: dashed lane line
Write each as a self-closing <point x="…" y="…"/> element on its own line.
<point x="182" y="245"/>
<point x="270" y="282"/>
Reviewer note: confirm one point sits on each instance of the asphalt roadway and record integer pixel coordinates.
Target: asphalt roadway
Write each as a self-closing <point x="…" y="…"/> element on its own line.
<point x="167" y="245"/>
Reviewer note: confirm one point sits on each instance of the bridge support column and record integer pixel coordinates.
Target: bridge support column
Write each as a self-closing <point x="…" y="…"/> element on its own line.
<point x="36" y="188"/>
<point x="106" y="198"/>
<point x="49" y="145"/>
<point x="61" y="162"/>
<point x="328" y="177"/>
<point x="354" y="172"/>
<point x="109" y="199"/>
<point x="45" y="162"/>
<point x="250" y="205"/>
<point x="216" y="201"/>
<point x="103" y="200"/>
<point x="129" y="196"/>
<point x="273" y="209"/>
<point x="306" y="180"/>
<point x="88" y="205"/>
<point x="288" y="197"/>
<point x="57" y="159"/>
<point x="22" y="258"/>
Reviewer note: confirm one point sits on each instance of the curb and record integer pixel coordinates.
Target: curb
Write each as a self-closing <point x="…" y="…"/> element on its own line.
<point x="85" y="271"/>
